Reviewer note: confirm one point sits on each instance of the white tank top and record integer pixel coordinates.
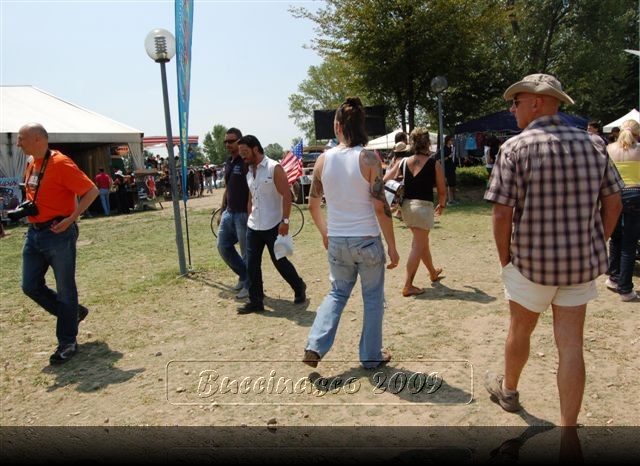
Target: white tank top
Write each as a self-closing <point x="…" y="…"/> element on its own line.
<point x="348" y="194"/>
<point x="266" y="201"/>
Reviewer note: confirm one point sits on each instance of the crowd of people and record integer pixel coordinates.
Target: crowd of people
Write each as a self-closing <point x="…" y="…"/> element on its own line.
<point x="550" y="255"/>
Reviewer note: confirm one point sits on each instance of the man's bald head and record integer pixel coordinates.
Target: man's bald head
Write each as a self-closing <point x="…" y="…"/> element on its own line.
<point x="33" y="139"/>
<point x="35" y="129"/>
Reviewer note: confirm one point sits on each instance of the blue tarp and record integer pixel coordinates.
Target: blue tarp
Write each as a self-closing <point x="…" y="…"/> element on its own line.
<point x="505" y="121"/>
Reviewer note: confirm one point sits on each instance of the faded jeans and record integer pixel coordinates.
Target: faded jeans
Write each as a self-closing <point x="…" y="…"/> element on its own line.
<point x="104" y="199"/>
<point x="233" y="230"/>
<point x="348" y="258"/>
<point x="43" y="249"/>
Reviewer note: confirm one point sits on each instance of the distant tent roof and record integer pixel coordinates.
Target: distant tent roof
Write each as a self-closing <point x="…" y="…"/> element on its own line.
<point x="65" y="122"/>
<point x="505" y="121"/>
<point x="632" y="115"/>
<point x="387" y="141"/>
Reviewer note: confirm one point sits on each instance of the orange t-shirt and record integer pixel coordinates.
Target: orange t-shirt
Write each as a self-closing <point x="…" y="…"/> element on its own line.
<point x="62" y="182"/>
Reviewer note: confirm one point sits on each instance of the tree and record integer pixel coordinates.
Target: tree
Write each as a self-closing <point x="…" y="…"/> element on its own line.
<point x="196" y="157"/>
<point x="396" y="47"/>
<point x="213" y="144"/>
<point x="326" y="87"/>
<point x="273" y="151"/>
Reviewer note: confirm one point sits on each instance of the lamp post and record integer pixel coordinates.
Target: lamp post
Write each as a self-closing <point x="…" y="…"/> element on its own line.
<point x="439" y="84"/>
<point x="161" y="47"/>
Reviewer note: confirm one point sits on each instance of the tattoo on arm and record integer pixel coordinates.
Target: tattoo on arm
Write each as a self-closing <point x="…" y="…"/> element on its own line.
<point x="317" y="190"/>
<point x="370" y="159"/>
<point x="377" y="191"/>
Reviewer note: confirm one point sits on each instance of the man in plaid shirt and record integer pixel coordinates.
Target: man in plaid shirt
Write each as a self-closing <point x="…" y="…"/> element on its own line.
<point x="556" y="202"/>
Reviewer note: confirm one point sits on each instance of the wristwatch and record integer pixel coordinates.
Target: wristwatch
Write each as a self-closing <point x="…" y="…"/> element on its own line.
<point x="285" y="221"/>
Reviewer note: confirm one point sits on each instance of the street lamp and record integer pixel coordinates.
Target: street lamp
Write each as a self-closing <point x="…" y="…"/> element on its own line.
<point x="439" y="85"/>
<point x="161" y="47"/>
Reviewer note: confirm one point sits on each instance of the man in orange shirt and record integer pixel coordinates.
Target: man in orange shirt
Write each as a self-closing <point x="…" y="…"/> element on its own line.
<point x="53" y="183"/>
<point x="104" y="182"/>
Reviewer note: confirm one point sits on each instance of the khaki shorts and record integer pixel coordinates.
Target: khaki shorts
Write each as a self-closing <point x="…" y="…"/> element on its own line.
<point x="537" y="298"/>
<point x="417" y="213"/>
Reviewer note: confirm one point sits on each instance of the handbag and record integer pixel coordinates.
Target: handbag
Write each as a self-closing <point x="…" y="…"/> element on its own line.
<point x="394" y="189"/>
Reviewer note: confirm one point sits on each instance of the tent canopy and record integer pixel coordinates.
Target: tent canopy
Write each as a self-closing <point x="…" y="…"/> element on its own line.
<point x="505" y="121"/>
<point x="387" y="141"/>
<point x="632" y="115"/>
<point x="65" y="122"/>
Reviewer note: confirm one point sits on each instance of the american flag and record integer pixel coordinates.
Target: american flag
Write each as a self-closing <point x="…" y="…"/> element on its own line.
<point x="292" y="163"/>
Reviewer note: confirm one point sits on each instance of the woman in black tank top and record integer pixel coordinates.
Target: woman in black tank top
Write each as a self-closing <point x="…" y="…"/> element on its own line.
<point x="422" y="173"/>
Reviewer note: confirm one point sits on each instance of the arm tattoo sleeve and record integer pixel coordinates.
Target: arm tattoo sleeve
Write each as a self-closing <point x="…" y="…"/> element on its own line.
<point x="377" y="191"/>
<point x="317" y="190"/>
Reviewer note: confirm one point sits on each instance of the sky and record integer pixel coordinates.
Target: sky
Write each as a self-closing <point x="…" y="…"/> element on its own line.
<point x="247" y="58"/>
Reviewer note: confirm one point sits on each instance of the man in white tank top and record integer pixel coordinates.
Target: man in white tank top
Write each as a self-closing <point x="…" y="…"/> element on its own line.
<point x="269" y="208"/>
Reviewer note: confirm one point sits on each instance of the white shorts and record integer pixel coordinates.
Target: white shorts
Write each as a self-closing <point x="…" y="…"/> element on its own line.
<point x="537" y="298"/>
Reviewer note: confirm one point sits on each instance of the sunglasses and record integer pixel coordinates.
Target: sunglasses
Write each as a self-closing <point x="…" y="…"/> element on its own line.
<point x="516" y="102"/>
<point x="230" y="141"/>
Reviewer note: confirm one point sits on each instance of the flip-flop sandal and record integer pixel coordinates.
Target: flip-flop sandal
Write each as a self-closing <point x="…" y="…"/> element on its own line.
<point x="413" y="291"/>
<point x="438" y="277"/>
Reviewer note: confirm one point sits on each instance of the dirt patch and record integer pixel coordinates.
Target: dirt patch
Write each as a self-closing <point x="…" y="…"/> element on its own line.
<point x="156" y="348"/>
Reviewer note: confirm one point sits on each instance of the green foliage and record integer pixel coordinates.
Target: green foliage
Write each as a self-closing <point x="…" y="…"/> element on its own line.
<point x="213" y="144"/>
<point x="390" y="50"/>
<point x="472" y="176"/>
<point x="274" y="151"/>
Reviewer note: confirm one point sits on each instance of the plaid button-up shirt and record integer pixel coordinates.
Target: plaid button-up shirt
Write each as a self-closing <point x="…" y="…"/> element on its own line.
<point x="554" y="177"/>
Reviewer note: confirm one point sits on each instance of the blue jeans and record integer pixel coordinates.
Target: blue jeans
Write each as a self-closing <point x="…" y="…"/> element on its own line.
<point x="256" y="241"/>
<point x="348" y="258"/>
<point x="622" y="246"/>
<point x="104" y="199"/>
<point x="43" y="249"/>
<point x="233" y="230"/>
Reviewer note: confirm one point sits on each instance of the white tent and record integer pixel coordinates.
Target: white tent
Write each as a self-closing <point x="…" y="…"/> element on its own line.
<point x="387" y="141"/>
<point x="632" y="115"/>
<point x="65" y="122"/>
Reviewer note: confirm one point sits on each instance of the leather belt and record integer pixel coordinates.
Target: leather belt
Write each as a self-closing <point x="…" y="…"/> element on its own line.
<point x="47" y="224"/>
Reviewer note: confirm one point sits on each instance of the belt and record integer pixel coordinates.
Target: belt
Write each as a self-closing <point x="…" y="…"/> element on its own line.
<point x="47" y="224"/>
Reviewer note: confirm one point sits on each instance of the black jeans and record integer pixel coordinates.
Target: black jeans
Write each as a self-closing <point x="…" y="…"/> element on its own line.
<point x="256" y="241"/>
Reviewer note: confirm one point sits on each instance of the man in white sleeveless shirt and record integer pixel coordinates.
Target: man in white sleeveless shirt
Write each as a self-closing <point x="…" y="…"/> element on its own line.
<point x="269" y="208"/>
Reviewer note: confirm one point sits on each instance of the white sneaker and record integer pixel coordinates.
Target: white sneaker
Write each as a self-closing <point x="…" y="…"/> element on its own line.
<point x="238" y="286"/>
<point x="244" y="293"/>
<point x="611" y="284"/>
<point x="632" y="295"/>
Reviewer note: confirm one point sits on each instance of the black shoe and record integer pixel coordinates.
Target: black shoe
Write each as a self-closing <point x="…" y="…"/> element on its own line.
<point x="63" y="353"/>
<point x="251" y="307"/>
<point x="82" y="312"/>
<point x="301" y="294"/>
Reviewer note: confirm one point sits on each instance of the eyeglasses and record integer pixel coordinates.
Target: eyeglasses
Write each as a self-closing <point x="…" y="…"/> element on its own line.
<point x="230" y="141"/>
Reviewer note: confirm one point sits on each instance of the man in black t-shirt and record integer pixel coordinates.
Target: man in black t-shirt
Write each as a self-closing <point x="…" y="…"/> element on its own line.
<point x="233" y="223"/>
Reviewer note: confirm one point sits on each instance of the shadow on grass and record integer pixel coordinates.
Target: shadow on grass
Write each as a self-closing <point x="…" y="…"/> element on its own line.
<point x="298" y="313"/>
<point x="440" y="291"/>
<point x="91" y="369"/>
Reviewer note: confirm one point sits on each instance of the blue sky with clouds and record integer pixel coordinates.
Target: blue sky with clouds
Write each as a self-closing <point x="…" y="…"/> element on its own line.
<point x="247" y="58"/>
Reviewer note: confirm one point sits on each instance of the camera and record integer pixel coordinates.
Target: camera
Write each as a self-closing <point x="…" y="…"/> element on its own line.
<point x="27" y="208"/>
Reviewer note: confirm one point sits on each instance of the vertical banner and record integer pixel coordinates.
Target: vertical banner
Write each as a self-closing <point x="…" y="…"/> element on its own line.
<point x="184" y="27"/>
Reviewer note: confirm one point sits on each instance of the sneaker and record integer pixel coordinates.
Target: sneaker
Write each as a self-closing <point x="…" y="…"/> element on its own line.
<point x="82" y="312"/>
<point x="301" y="294"/>
<point x="311" y="358"/>
<point x="238" y="286"/>
<point x="631" y="296"/>
<point x="63" y="353"/>
<point x="611" y="284"/>
<point x="493" y="384"/>
<point x="244" y="293"/>
<point x="251" y="307"/>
